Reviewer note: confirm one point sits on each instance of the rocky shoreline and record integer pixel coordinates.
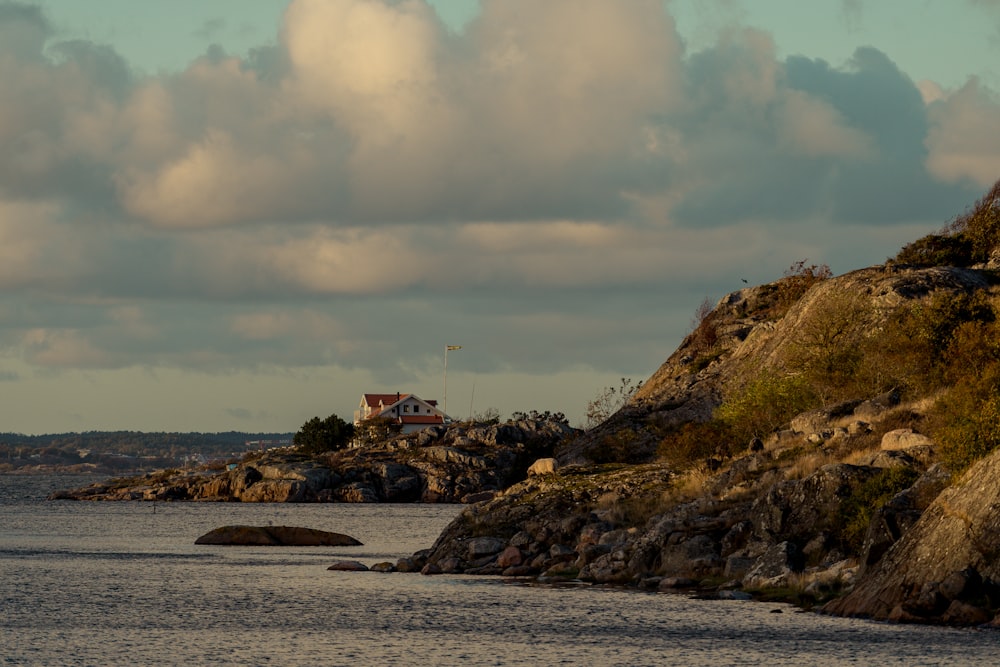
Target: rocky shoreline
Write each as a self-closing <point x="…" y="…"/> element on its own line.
<point x="460" y="464"/>
<point x="850" y="509"/>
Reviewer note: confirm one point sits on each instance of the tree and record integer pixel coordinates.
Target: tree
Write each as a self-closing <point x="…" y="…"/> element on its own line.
<point x="323" y="435"/>
<point x="609" y="401"/>
<point x="487" y="416"/>
<point x="535" y="415"/>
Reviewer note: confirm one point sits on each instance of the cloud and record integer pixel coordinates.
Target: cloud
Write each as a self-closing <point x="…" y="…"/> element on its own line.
<point x="23" y="31"/>
<point x="964" y="140"/>
<point x="562" y="172"/>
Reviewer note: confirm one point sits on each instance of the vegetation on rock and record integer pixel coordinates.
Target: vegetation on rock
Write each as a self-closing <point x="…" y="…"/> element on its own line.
<point x="795" y="436"/>
<point x="323" y="435"/>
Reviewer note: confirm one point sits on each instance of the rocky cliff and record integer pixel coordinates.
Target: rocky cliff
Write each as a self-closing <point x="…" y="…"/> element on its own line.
<point x="851" y="496"/>
<point x="802" y="442"/>
<point x="945" y="568"/>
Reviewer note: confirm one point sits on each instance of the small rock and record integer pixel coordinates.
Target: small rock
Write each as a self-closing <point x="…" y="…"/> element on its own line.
<point x="484" y="546"/>
<point x="510" y="557"/>
<point x="348" y="566"/>
<point x="904" y="438"/>
<point x="675" y="583"/>
<point x="962" y="613"/>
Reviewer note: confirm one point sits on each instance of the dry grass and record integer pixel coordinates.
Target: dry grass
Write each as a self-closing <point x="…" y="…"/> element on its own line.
<point x="689" y="485"/>
<point x="809" y="463"/>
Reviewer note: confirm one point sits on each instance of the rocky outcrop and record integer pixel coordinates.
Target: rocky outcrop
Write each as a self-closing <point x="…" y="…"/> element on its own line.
<point x="286" y="536"/>
<point x="621" y="525"/>
<point x="746" y="335"/>
<point x="946" y="567"/>
<point x="460" y="463"/>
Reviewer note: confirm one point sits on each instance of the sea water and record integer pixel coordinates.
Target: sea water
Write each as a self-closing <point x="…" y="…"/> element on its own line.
<point x="85" y="583"/>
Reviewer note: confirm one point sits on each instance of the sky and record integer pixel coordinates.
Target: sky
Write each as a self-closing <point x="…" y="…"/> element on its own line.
<point x="240" y="214"/>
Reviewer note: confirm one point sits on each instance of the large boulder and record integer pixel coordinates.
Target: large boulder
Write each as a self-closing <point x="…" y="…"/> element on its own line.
<point x="276" y="536"/>
<point x="543" y="467"/>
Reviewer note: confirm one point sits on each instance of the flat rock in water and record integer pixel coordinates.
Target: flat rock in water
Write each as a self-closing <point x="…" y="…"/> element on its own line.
<point x="348" y="566"/>
<point x="288" y="536"/>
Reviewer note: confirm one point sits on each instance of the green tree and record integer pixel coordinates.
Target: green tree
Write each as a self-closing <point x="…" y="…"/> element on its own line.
<point x="323" y="435"/>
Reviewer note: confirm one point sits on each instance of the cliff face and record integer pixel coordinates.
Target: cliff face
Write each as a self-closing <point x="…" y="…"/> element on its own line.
<point x="753" y="329"/>
<point x="833" y="494"/>
<point x="946" y="567"/>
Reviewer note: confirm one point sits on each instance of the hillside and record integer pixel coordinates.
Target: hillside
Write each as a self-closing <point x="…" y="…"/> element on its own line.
<point x="804" y="441"/>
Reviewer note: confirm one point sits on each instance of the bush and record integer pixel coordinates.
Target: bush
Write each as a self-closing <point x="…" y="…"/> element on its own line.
<point x="937" y="250"/>
<point x="980" y="226"/>
<point x="691" y="443"/>
<point x="609" y="401"/>
<point x="765" y="403"/>
<point x="966" y="422"/>
<point x="969" y="239"/>
<point x="323" y="435"/>
<point x="856" y="511"/>
<point x="704" y="333"/>
<point x="829" y="348"/>
<point x="377" y="429"/>
<point x="797" y="280"/>
<point x="621" y="446"/>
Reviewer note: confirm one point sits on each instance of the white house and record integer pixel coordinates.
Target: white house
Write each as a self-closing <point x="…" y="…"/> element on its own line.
<point x="413" y="412"/>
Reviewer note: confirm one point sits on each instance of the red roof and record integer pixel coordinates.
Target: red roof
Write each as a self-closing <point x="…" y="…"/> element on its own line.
<point x="374" y="400"/>
<point x="421" y="419"/>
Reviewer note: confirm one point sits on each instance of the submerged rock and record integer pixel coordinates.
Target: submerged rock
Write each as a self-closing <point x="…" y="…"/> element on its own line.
<point x="289" y="536"/>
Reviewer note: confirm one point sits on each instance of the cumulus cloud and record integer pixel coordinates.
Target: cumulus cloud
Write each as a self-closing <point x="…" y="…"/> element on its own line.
<point x="964" y="141"/>
<point x="558" y="171"/>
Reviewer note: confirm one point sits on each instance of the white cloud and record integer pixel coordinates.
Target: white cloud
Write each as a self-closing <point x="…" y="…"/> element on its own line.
<point x="372" y="184"/>
<point x="964" y="139"/>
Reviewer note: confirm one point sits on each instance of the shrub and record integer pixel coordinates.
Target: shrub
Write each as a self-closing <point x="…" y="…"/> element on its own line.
<point x="922" y="345"/>
<point x="765" y="403"/>
<point x="980" y="226"/>
<point x="704" y="334"/>
<point x="937" y="250"/>
<point x="609" y="401"/>
<point x="621" y="446"/>
<point x="796" y="281"/>
<point x="969" y="239"/>
<point x="855" y="513"/>
<point x="966" y="422"/>
<point x="377" y="429"/>
<point x="828" y="347"/>
<point x="691" y="443"/>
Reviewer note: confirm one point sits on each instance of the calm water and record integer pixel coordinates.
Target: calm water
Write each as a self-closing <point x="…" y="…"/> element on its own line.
<point x="120" y="583"/>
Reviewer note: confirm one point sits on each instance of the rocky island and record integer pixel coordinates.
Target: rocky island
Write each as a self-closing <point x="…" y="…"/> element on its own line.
<point x="830" y="440"/>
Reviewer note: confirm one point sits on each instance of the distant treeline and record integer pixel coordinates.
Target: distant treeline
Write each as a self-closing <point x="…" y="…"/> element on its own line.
<point x="123" y="449"/>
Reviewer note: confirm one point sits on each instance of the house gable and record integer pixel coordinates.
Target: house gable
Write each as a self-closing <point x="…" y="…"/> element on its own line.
<point x="413" y="412"/>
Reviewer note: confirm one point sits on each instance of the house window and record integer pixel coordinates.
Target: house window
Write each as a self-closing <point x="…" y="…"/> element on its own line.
<point x="406" y="408"/>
